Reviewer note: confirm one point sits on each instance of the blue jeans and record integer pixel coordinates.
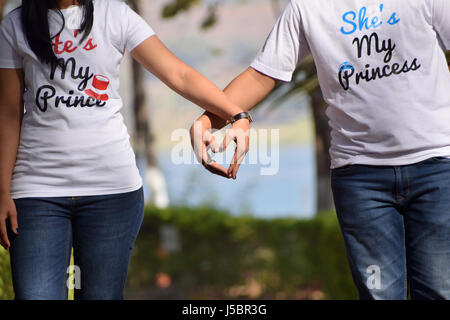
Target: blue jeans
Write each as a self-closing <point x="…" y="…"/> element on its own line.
<point x="395" y="221"/>
<point x="101" y="229"/>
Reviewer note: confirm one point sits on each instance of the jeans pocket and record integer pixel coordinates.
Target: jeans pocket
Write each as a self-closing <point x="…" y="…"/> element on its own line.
<point x="441" y="159"/>
<point x="343" y="170"/>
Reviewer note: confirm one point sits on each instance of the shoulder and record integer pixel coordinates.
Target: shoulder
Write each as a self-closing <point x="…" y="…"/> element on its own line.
<point x="110" y="6"/>
<point x="295" y="6"/>
<point x="297" y="3"/>
<point x="111" y="10"/>
<point x="13" y="18"/>
<point x="12" y="23"/>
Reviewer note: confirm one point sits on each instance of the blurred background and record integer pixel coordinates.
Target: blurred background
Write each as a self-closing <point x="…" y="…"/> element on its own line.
<point x="204" y="237"/>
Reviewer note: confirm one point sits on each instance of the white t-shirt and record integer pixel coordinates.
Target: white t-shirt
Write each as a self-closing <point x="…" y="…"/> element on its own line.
<point x="383" y="73"/>
<point x="74" y="141"/>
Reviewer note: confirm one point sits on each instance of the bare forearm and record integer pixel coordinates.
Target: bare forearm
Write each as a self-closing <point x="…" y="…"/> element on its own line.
<point x="153" y="55"/>
<point x="9" y="142"/>
<point x="196" y="88"/>
<point x="246" y="91"/>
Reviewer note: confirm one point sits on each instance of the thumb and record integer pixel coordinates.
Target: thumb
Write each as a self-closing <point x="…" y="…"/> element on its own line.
<point x="226" y="141"/>
<point x="213" y="145"/>
<point x="13" y="220"/>
<point x="210" y="141"/>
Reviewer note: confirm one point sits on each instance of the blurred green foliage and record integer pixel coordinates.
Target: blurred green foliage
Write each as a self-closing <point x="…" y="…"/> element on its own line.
<point x="6" y="291"/>
<point x="203" y="253"/>
<point x="174" y="7"/>
<point x="219" y="256"/>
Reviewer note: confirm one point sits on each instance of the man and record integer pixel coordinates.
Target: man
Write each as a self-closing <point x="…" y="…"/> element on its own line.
<point x="383" y="72"/>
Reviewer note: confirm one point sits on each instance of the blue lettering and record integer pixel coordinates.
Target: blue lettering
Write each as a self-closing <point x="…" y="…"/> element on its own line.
<point x="375" y="22"/>
<point x="393" y="19"/>
<point x="344" y="17"/>
<point x="364" y="22"/>
<point x="363" y="19"/>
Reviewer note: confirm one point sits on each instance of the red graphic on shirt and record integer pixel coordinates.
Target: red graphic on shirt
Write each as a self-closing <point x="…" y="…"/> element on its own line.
<point x="89" y="45"/>
<point x="65" y="46"/>
<point x="68" y="46"/>
<point x="99" y="87"/>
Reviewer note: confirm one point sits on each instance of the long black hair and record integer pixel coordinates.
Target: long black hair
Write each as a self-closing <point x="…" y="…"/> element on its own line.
<point x="36" y="27"/>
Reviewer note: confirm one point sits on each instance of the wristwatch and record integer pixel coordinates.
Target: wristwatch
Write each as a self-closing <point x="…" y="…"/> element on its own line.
<point x="242" y="115"/>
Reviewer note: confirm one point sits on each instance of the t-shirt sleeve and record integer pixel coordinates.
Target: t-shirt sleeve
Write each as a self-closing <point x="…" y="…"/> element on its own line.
<point x="285" y="47"/>
<point x="136" y="29"/>
<point x="440" y="18"/>
<point x="9" y="58"/>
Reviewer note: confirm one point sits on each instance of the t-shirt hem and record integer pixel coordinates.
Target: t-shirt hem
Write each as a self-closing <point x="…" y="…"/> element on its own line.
<point x="399" y="161"/>
<point x="75" y="193"/>
<point x="277" y="74"/>
<point x="10" y="65"/>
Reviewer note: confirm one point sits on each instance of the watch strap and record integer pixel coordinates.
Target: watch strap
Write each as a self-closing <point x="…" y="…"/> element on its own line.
<point x="242" y="115"/>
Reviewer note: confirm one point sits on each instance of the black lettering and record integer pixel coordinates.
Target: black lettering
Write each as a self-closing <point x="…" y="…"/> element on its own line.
<point x="44" y="93"/>
<point x="344" y="78"/>
<point x="373" y="41"/>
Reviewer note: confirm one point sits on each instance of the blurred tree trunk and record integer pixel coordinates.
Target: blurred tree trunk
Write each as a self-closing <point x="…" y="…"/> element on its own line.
<point x="305" y="81"/>
<point x="448" y="59"/>
<point x="2" y="8"/>
<point x="324" y="197"/>
<point x="143" y="134"/>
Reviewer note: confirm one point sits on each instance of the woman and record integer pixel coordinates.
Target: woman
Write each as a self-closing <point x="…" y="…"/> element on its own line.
<point x="75" y="182"/>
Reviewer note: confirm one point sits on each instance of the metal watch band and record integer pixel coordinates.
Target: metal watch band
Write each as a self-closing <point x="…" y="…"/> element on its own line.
<point x="242" y="115"/>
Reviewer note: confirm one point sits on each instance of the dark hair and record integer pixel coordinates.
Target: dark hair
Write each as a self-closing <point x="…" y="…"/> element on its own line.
<point x="36" y="27"/>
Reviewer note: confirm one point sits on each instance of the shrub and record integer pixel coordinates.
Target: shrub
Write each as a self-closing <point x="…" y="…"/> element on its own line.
<point x="218" y="255"/>
<point x="188" y="253"/>
<point x="6" y="291"/>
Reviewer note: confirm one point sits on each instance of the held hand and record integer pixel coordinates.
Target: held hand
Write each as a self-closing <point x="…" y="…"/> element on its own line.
<point x="7" y="211"/>
<point x="239" y="133"/>
<point x="202" y="140"/>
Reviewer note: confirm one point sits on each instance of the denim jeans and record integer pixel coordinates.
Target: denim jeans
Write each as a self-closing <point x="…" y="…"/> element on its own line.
<point x="395" y="221"/>
<point x="100" y="228"/>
